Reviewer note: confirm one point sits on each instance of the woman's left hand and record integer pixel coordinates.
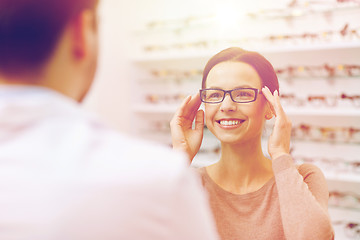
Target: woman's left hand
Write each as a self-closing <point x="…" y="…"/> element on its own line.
<point x="279" y="140"/>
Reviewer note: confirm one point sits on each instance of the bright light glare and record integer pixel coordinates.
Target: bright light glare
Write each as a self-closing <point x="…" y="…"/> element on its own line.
<point x="228" y="16"/>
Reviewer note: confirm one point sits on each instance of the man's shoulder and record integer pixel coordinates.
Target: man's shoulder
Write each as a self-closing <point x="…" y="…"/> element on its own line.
<point x="134" y="155"/>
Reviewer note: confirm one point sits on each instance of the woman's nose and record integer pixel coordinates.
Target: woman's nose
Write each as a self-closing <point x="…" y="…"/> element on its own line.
<point x="228" y="105"/>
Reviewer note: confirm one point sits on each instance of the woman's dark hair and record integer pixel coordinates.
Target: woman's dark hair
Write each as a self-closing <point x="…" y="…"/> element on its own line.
<point x="234" y="54"/>
<point x="30" y="29"/>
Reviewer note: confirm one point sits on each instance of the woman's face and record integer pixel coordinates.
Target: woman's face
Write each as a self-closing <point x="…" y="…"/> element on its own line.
<point x="234" y="122"/>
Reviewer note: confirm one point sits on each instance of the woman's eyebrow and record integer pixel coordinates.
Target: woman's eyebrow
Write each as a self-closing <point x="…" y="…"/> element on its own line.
<point x="241" y="86"/>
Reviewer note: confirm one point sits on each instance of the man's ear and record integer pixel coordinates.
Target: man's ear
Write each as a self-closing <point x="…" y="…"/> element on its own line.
<point x="82" y="26"/>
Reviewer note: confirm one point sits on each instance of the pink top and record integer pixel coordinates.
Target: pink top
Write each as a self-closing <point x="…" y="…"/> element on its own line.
<point x="292" y="205"/>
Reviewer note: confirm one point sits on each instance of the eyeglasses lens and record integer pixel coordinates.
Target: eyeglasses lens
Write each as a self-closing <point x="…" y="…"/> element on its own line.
<point x="238" y="95"/>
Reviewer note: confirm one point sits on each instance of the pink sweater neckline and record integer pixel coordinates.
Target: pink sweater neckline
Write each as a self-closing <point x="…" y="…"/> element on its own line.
<point x="257" y="193"/>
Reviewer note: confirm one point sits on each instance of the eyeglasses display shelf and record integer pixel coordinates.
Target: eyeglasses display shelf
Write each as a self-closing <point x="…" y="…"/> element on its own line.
<point x="316" y="57"/>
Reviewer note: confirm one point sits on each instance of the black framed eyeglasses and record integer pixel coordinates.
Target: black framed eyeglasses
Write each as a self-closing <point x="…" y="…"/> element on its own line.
<point x="238" y="95"/>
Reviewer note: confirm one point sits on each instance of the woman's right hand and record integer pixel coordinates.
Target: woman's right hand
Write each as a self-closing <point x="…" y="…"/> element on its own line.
<point x="184" y="137"/>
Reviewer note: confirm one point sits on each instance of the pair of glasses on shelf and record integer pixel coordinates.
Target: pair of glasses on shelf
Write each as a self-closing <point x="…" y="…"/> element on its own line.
<point x="173" y="24"/>
<point x="351" y="228"/>
<point x="344" y="99"/>
<point x="325" y="70"/>
<point x="345" y="33"/>
<point x="158" y="126"/>
<point x="323" y="133"/>
<point x="176" y="73"/>
<point x="306" y="8"/>
<point x="331" y="165"/>
<point x="349" y="200"/>
<point x="204" y="44"/>
<point x="164" y="98"/>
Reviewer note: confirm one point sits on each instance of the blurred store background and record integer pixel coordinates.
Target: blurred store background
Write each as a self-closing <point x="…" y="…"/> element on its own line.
<point x="153" y="52"/>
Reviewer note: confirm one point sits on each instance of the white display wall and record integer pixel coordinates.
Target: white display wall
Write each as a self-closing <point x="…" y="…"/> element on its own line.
<point x="155" y="56"/>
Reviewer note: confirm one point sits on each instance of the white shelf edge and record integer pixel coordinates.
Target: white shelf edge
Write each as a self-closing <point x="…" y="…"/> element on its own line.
<point x="155" y="108"/>
<point x="170" y="55"/>
<point x="343" y="177"/>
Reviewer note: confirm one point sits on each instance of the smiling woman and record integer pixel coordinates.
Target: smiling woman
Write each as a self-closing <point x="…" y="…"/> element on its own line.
<point x="252" y="197"/>
<point x="250" y="112"/>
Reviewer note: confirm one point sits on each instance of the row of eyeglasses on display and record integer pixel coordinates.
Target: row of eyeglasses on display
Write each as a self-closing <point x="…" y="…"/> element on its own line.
<point x="327" y="101"/>
<point x="345" y="34"/>
<point x="325" y="70"/>
<point x="349" y="200"/>
<point x="289" y="11"/>
<point x="336" y="166"/>
<point x="326" y="133"/>
<point x="351" y="229"/>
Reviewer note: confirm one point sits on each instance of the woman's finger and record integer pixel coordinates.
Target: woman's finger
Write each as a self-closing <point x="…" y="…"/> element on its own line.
<point x="194" y="103"/>
<point x="180" y="111"/>
<point x="175" y="121"/>
<point x="278" y="108"/>
<point x="199" y="120"/>
<point x="270" y="98"/>
<point x="192" y="107"/>
<point x="187" y="111"/>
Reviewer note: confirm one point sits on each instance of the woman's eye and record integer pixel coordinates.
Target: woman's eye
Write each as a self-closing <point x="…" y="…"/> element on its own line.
<point x="243" y="94"/>
<point x="215" y="95"/>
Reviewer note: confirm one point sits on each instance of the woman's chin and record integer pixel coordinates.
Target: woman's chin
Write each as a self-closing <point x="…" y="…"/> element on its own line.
<point x="230" y="139"/>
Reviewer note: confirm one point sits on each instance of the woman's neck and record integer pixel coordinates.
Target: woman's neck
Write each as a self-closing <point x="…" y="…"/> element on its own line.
<point x="242" y="167"/>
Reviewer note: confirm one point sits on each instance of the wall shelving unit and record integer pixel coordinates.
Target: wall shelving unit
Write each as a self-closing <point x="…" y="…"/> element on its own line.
<point x="179" y="73"/>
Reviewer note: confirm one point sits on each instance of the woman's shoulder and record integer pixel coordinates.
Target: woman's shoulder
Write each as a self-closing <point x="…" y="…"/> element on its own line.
<point x="308" y="169"/>
<point x="201" y="171"/>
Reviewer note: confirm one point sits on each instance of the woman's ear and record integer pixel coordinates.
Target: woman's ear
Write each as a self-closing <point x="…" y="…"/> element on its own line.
<point x="268" y="112"/>
<point x="269" y="116"/>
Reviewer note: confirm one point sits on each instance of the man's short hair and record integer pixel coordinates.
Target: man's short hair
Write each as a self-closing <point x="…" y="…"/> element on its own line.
<point x="30" y="29"/>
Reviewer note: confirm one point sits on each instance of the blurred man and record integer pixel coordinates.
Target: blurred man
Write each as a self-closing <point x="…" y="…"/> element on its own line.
<point x="64" y="175"/>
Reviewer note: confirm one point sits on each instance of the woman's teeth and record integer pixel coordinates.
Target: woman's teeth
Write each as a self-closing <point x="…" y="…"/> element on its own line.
<point x="229" y="122"/>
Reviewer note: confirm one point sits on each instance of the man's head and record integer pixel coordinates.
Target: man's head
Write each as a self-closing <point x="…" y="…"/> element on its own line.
<point x="40" y="37"/>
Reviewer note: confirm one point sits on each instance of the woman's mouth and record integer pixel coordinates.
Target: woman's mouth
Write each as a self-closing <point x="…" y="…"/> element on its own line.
<point x="230" y="123"/>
